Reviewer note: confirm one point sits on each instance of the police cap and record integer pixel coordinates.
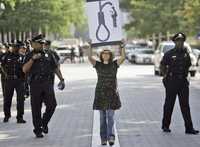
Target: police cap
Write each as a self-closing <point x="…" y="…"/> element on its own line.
<point x="39" y="39"/>
<point x="20" y="44"/>
<point x="48" y="42"/>
<point x="179" y="36"/>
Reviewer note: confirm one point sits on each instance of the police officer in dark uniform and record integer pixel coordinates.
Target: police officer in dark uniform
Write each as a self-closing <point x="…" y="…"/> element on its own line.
<point x="54" y="55"/>
<point x="175" y="67"/>
<point x="2" y="53"/>
<point x="22" y="52"/>
<point x="48" y="44"/>
<point x="41" y="66"/>
<point x="48" y="47"/>
<point x="12" y="64"/>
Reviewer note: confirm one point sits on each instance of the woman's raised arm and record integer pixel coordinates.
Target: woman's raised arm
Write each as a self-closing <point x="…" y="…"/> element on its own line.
<point x="90" y="57"/>
<point x="123" y="54"/>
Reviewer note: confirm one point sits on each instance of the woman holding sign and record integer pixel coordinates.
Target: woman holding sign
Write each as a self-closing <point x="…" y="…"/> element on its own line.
<point x="107" y="98"/>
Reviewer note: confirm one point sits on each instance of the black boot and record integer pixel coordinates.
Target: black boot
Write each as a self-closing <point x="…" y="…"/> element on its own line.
<point x="166" y="130"/>
<point x="21" y="120"/>
<point x="45" y="129"/>
<point x="192" y="131"/>
<point x="38" y="134"/>
<point x="6" y="119"/>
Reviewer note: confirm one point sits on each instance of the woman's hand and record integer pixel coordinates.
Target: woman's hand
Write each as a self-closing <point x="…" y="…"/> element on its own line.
<point x="123" y="54"/>
<point x="90" y="43"/>
<point x="123" y="43"/>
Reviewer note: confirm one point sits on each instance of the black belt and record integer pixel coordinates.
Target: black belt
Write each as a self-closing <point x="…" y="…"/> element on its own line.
<point x="177" y="76"/>
<point x="41" y="77"/>
<point x="12" y="77"/>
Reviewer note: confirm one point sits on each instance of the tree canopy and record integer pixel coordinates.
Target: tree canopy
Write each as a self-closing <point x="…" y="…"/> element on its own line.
<point x="155" y="16"/>
<point x="54" y="16"/>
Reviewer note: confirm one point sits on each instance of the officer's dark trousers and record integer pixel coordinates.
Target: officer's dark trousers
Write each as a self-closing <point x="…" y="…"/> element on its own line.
<point x="42" y="92"/>
<point x="9" y="87"/>
<point x="3" y="84"/>
<point x="176" y="87"/>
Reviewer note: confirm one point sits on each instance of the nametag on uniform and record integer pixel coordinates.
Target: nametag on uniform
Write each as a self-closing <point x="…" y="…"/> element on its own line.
<point x="46" y="55"/>
<point x="185" y="55"/>
<point x="173" y="57"/>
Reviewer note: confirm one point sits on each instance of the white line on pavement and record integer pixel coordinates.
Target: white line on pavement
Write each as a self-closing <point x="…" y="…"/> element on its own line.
<point x="96" y="141"/>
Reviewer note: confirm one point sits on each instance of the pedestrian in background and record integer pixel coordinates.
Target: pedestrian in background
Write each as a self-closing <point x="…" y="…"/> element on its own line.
<point x="175" y="68"/>
<point x="107" y="99"/>
<point x="81" y="54"/>
<point x="23" y="52"/>
<point x="72" y="55"/>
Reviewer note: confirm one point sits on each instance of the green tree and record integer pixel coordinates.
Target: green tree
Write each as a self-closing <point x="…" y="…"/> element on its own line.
<point x="155" y="16"/>
<point x="54" y="16"/>
<point x="191" y="17"/>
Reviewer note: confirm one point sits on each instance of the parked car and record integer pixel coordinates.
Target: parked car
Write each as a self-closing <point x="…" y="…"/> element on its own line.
<point x="198" y="61"/>
<point x="64" y="51"/>
<point x="166" y="46"/>
<point x="196" y="52"/>
<point x="141" y="56"/>
<point x="130" y="48"/>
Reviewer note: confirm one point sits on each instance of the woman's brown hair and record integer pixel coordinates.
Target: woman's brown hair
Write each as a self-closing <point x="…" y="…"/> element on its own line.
<point x="110" y="54"/>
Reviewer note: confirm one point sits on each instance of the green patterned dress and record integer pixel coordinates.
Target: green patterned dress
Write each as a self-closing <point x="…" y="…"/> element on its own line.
<point x="106" y="93"/>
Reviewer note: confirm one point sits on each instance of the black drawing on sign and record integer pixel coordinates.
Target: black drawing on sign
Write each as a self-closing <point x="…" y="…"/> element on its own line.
<point x="101" y="20"/>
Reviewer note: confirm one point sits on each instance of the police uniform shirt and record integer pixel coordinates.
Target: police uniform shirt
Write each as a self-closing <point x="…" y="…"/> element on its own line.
<point x="1" y="55"/>
<point x="43" y="67"/>
<point x="55" y="55"/>
<point x="12" y="64"/>
<point x="178" y="62"/>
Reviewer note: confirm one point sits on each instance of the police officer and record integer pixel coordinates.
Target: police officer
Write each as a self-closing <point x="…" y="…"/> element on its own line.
<point x="54" y="55"/>
<point x="12" y="64"/>
<point x="48" y="44"/>
<point x="41" y="66"/>
<point x="3" y="50"/>
<point x="22" y="52"/>
<point x="28" y="46"/>
<point x="175" y="67"/>
<point x="48" y="47"/>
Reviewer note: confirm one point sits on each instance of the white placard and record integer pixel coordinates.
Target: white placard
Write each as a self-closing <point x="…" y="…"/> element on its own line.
<point x="104" y="19"/>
